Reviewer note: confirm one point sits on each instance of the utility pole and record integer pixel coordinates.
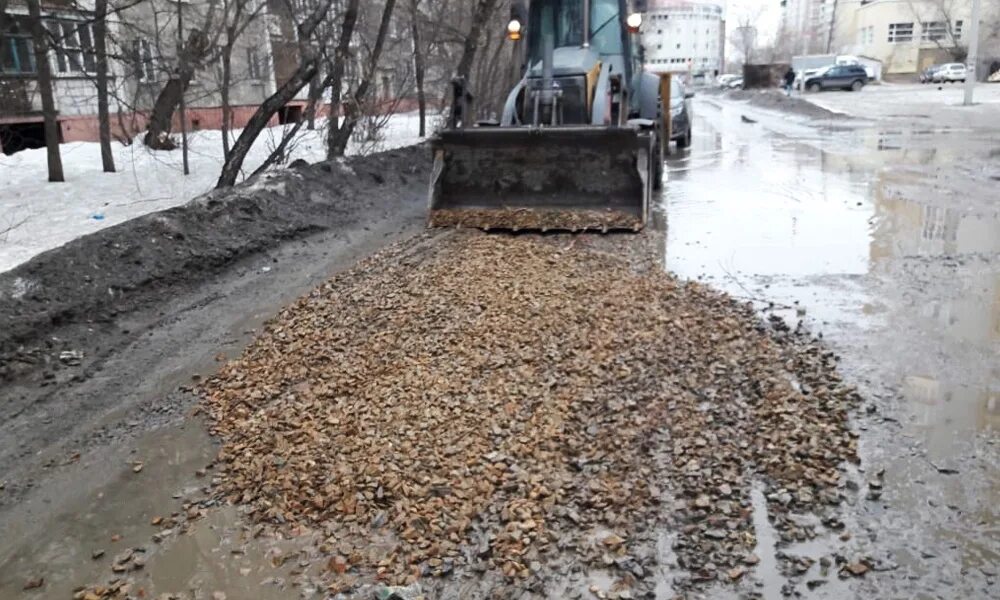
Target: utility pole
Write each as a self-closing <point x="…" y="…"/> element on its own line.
<point x="181" y="67"/>
<point x="973" y="59"/>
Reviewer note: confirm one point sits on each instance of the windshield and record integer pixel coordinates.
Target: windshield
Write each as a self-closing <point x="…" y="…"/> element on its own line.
<point x="564" y="20"/>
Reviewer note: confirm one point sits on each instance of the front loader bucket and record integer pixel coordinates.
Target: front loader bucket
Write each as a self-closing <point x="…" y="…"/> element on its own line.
<point x="559" y="178"/>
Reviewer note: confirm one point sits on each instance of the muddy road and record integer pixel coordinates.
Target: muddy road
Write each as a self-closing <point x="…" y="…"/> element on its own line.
<point x="880" y="237"/>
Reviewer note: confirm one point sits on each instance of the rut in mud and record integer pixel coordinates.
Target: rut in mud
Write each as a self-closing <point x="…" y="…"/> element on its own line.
<point x="519" y="412"/>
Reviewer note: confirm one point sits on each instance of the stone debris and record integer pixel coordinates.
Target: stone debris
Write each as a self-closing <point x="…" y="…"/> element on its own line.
<point x="518" y="219"/>
<point x="506" y="407"/>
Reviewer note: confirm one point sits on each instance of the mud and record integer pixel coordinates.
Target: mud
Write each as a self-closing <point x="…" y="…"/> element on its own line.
<point x="95" y="279"/>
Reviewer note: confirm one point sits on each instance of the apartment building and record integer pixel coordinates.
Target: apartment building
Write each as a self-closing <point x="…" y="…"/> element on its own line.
<point x="906" y="35"/>
<point x="685" y="36"/>
<point x="807" y="25"/>
<point x="142" y="49"/>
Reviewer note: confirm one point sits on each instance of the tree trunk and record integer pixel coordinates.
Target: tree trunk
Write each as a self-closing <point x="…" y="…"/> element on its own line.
<point x="161" y="119"/>
<point x="341" y="135"/>
<point x="315" y="93"/>
<point x="335" y="80"/>
<point x="419" y="69"/>
<point x="305" y="73"/>
<point x="234" y="162"/>
<point x="227" y="110"/>
<point x="45" y="91"/>
<point x="101" y="49"/>
<point x="480" y="17"/>
<point x="484" y="8"/>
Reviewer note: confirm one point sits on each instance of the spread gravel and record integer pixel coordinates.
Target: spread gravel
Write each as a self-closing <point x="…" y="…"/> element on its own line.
<point x="528" y="411"/>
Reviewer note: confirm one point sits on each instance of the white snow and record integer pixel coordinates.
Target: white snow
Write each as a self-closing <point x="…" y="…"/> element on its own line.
<point x="36" y="215"/>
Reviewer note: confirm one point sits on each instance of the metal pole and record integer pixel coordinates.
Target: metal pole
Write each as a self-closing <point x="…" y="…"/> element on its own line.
<point x="973" y="59"/>
<point x="586" y="23"/>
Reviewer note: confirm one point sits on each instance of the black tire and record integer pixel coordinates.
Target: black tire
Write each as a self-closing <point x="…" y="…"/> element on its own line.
<point x="857" y="85"/>
<point x="815" y="88"/>
<point x="685" y="140"/>
<point x="658" y="163"/>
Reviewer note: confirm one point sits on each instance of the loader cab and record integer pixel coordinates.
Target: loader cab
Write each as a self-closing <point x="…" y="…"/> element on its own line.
<point x="608" y="39"/>
<point x="584" y="52"/>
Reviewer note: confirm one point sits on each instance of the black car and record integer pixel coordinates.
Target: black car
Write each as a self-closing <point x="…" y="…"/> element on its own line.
<point x="839" y="77"/>
<point x="927" y="75"/>
<point x="681" y="114"/>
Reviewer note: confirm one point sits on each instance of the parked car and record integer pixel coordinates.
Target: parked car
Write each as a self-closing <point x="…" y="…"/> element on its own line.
<point x="735" y="84"/>
<point x="927" y="75"/>
<point x="838" y="77"/>
<point x="950" y="73"/>
<point x="681" y="115"/>
<point x="724" y="80"/>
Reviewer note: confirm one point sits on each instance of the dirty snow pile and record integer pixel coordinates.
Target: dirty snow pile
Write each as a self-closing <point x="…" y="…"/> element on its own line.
<point x="36" y="216"/>
<point x="519" y="413"/>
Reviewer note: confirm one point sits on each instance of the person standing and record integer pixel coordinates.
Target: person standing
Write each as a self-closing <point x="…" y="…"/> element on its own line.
<point x="789" y="81"/>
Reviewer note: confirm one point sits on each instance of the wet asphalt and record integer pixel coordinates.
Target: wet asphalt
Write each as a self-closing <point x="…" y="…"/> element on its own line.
<point x="883" y="237"/>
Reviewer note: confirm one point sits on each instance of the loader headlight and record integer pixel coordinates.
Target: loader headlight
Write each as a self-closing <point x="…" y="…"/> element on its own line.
<point x="514" y="30"/>
<point x="634" y="22"/>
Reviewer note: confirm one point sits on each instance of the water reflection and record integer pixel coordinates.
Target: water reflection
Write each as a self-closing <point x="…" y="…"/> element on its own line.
<point x="858" y="228"/>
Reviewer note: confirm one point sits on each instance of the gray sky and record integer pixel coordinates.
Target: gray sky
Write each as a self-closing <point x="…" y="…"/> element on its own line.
<point x="768" y="13"/>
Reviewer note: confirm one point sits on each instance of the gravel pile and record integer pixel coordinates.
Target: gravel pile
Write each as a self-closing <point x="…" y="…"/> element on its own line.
<point x="537" y="219"/>
<point x="527" y="413"/>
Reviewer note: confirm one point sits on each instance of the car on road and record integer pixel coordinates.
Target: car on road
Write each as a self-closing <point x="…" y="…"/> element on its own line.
<point x="735" y="84"/>
<point x="927" y="75"/>
<point x="681" y="114"/>
<point x="950" y="73"/>
<point x="838" y="77"/>
<point x="724" y="80"/>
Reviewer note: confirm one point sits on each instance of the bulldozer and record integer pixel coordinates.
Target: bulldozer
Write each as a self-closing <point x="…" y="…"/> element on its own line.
<point x="580" y="141"/>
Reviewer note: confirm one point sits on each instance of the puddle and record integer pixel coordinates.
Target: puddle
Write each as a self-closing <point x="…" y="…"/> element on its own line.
<point x="887" y="243"/>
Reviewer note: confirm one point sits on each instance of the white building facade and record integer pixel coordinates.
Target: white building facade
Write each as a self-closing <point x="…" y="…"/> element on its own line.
<point x="685" y="36"/>
<point x="907" y="36"/>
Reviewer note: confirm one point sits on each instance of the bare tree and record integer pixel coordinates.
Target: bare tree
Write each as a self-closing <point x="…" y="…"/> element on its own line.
<point x="938" y="25"/>
<point x="744" y="35"/>
<point x="306" y="71"/>
<point x="237" y="15"/>
<point x="38" y="38"/>
<point x="101" y="52"/>
<point x="192" y="54"/>
<point x="340" y="134"/>
<point x="419" y="67"/>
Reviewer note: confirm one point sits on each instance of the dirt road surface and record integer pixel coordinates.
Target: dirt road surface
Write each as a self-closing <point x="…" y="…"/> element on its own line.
<point x="880" y="236"/>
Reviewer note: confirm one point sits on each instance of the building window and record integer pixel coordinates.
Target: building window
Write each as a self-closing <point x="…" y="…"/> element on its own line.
<point x="253" y="64"/>
<point x="73" y="45"/>
<point x="17" y="54"/>
<point x="958" y="28"/>
<point x="934" y="30"/>
<point x="900" y="32"/>
<point x="143" y="65"/>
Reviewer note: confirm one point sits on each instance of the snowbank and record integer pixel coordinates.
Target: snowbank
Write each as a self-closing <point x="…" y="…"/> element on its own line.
<point x="36" y="216"/>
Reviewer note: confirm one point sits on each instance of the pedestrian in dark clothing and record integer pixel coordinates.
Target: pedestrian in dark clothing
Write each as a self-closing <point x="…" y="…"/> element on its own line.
<point x="789" y="81"/>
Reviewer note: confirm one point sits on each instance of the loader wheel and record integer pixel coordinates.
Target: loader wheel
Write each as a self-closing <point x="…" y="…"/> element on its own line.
<point x="658" y="165"/>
